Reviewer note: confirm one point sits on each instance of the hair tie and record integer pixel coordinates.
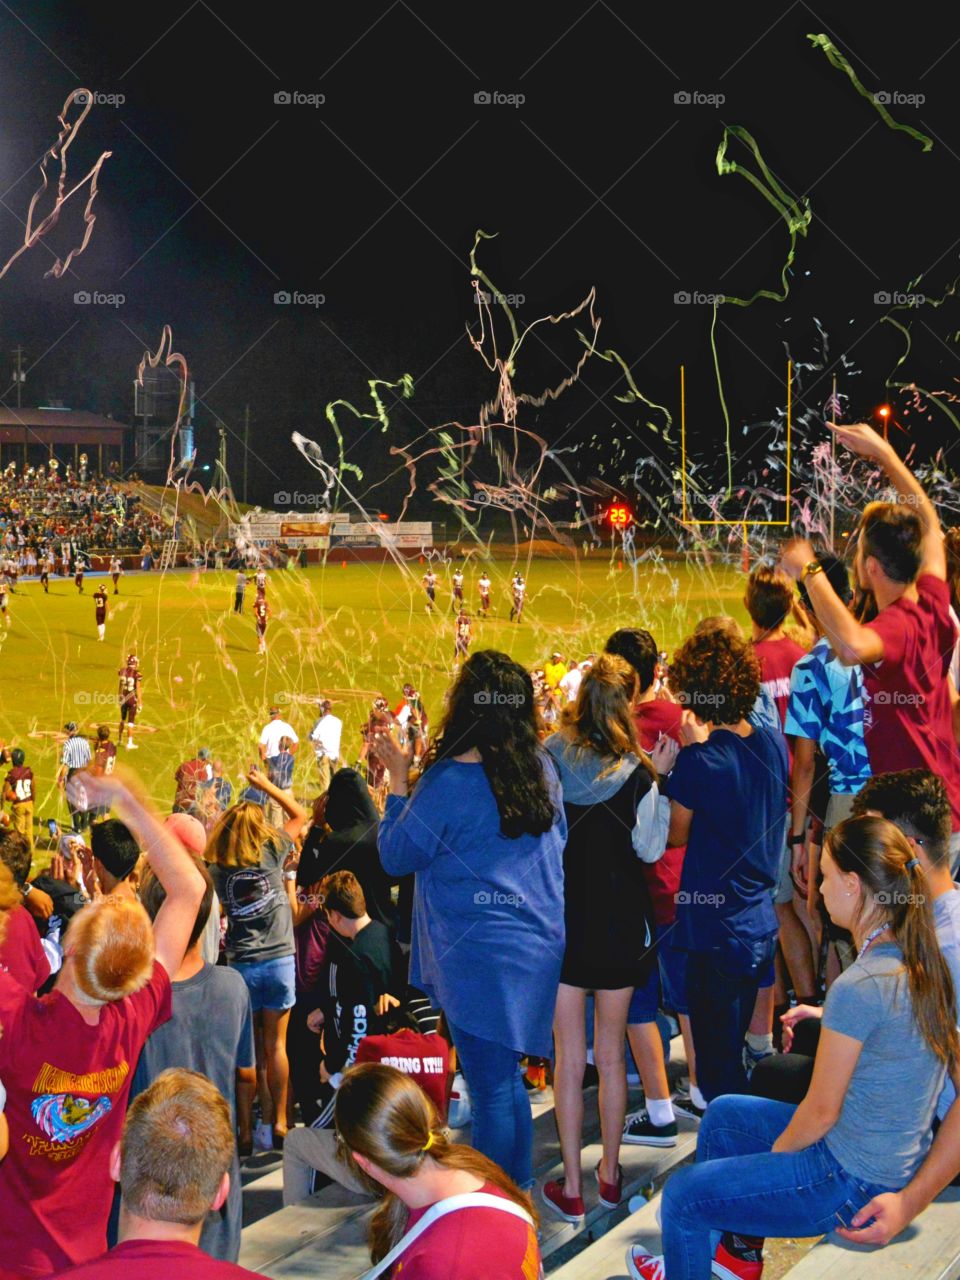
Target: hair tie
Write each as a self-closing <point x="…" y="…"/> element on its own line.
<point x="429" y="1144"/>
<point x="914" y="862"/>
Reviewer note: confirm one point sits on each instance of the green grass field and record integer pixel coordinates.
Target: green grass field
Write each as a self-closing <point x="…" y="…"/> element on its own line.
<point x="347" y="633"/>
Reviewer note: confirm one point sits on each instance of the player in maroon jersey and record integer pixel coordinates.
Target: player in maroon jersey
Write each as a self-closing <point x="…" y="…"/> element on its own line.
<point x="130" y="698"/>
<point x="100" y="605"/>
<point x="261" y="611"/>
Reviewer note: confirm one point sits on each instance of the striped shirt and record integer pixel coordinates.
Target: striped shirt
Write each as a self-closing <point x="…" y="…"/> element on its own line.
<point x="76" y="753"/>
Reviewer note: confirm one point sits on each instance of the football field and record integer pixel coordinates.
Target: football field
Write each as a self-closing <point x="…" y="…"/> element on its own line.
<point x="348" y="633"/>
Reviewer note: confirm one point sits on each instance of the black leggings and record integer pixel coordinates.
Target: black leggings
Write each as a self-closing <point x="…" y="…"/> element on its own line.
<point x="785" y="1077"/>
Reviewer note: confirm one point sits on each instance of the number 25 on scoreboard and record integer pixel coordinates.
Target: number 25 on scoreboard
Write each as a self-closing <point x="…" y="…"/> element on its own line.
<point x="618" y="517"/>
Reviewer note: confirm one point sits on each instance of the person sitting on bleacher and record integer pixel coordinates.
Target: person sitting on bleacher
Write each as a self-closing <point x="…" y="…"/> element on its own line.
<point x="448" y="1210"/>
<point x="173" y="1165"/>
<point x="889" y="1037"/>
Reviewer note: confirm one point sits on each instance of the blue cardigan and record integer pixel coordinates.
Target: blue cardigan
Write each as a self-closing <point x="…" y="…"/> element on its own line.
<point x="488" y="934"/>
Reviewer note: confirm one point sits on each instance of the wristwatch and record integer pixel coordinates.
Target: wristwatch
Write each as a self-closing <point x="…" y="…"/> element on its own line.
<point x="797" y="839"/>
<point x="809" y="569"/>
<point x="26" y="889"/>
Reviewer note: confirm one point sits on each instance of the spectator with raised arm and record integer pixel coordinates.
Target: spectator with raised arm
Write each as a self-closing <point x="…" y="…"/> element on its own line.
<point x="67" y="1058"/>
<point x="905" y="652"/>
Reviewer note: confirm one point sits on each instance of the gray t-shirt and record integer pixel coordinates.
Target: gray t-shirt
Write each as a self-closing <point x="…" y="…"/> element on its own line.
<point x="883" y="1131"/>
<point x="259" y="920"/>
<point x="946" y="919"/>
<point x="211" y="1031"/>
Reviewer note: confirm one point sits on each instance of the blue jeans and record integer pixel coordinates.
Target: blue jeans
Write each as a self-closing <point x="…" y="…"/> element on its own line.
<point x="739" y="1185"/>
<point x="721" y="993"/>
<point x="502" y="1120"/>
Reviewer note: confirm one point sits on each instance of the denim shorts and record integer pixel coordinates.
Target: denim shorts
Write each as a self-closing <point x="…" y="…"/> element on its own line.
<point x="271" y="983"/>
<point x="666" y="988"/>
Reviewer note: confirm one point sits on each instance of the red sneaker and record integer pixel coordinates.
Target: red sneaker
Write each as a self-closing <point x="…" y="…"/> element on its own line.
<point x="570" y="1208"/>
<point x="611" y="1193"/>
<point x="738" y="1259"/>
<point x="644" y="1266"/>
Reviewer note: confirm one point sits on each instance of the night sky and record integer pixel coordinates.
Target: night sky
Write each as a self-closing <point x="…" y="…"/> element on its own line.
<point x="217" y="197"/>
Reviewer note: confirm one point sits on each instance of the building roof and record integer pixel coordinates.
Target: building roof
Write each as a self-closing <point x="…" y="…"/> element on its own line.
<point x="58" y="426"/>
<point x="12" y="417"/>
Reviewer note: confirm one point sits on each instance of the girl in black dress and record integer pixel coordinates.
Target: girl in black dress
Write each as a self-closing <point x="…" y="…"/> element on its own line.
<point x="616" y="821"/>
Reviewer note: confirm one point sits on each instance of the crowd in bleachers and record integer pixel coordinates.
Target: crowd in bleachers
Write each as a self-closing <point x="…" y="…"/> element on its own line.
<point x="755" y="836"/>
<point x="54" y="510"/>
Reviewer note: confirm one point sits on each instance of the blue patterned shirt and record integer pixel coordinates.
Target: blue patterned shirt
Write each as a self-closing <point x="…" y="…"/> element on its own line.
<point x="826" y="705"/>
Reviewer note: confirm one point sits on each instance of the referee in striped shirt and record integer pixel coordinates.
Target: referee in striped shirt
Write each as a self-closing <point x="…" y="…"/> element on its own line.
<point x="74" y="756"/>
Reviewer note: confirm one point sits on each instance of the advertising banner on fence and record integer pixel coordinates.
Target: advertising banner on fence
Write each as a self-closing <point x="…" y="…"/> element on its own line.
<point x="264" y="528"/>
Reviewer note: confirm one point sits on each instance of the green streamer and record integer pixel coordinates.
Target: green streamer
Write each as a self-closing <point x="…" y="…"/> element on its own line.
<point x="797" y="214"/>
<point x="837" y="60"/>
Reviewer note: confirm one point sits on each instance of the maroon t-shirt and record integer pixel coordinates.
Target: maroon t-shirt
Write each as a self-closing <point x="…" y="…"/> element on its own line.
<point x="663" y="877"/>
<point x="472" y="1244"/>
<point x="21" y="954"/>
<point x="158" y="1260"/>
<point x="67" y="1089"/>
<point x="777" y="660"/>
<point x="907" y="717"/>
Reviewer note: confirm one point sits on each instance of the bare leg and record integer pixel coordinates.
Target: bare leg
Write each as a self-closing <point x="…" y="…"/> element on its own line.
<point x="647" y="1049"/>
<point x="278" y="1068"/>
<point x="761" y="1024"/>
<point x="570" y="1063"/>
<point x="610" y="1056"/>
<point x="796" y="949"/>
<point x="685" y="1031"/>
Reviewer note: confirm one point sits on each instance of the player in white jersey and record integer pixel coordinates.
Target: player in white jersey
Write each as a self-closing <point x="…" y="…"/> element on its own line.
<point x="483" y="586"/>
<point x="458" y="590"/>
<point x="116" y="569"/>
<point x="519" y="588"/>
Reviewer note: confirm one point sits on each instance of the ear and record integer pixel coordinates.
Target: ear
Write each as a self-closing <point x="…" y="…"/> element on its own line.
<point x="223" y="1191"/>
<point x="114" y="1164"/>
<point x="363" y="1162"/>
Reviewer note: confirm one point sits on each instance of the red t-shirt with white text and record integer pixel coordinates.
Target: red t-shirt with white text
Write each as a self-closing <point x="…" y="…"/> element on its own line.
<point x="424" y="1059"/>
<point x="907" y="717"/>
<point x="67" y="1088"/>
<point x="777" y="660"/>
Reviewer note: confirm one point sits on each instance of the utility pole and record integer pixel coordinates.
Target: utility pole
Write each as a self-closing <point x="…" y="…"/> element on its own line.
<point x="19" y="376"/>
<point x="223" y="456"/>
<point x="246" y="447"/>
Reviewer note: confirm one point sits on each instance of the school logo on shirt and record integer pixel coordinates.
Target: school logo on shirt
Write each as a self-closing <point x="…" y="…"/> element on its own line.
<point x="63" y="1117"/>
<point x="63" y="1114"/>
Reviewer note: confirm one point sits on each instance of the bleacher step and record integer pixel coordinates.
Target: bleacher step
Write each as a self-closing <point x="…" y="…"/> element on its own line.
<point x="604" y="1259"/>
<point x="641" y="1167"/>
<point x="929" y="1249"/>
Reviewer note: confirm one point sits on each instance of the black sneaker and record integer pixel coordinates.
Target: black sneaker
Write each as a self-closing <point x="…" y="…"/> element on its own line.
<point x="639" y="1130"/>
<point x="687" y="1107"/>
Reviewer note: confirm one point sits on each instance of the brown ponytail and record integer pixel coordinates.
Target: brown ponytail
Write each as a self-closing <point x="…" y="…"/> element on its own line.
<point x="601" y="720"/>
<point x="895" y="892"/>
<point x="384" y="1115"/>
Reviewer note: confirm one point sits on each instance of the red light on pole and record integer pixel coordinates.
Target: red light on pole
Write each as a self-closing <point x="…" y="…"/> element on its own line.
<point x="883" y="413"/>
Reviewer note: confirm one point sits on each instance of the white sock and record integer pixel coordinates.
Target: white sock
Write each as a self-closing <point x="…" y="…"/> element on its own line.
<point x="697" y="1098"/>
<point x="660" y="1111"/>
<point x="760" y="1044"/>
